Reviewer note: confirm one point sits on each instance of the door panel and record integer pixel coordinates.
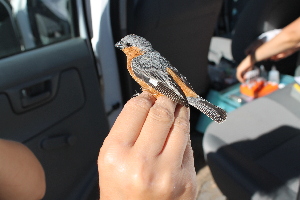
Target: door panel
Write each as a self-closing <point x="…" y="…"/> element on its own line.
<point x="66" y="132"/>
<point x="50" y="100"/>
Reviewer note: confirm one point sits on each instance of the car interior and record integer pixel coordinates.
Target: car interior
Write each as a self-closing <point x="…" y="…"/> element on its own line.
<point x="8" y="37"/>
<point x="50" y="99"/>
<point x="177" y="30"/>
<point x="62" y="85"/>
<point x="254" y="154"/>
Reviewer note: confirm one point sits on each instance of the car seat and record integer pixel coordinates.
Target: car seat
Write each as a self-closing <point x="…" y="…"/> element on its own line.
<point x="255" y="153"/>
<point x="181" y="31"/>
<point x="181" y="34"/>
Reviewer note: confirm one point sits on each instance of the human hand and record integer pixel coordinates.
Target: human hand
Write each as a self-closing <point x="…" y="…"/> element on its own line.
<point x="245" y="66"/>
<point x="148" y="154"/>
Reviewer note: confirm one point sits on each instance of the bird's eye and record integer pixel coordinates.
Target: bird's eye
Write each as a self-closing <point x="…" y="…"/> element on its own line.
<point x="128" y="44"/>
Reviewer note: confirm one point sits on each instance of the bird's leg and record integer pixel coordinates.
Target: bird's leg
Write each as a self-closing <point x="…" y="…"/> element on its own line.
<point x="136" y="94"/>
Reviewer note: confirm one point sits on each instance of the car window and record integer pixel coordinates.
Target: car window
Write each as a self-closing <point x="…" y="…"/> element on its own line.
<point x="8" y="39"/>
<point x="29" y="24"/>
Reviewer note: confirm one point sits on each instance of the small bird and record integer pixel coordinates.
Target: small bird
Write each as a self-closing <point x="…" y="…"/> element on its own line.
<point x="155" y="74"/>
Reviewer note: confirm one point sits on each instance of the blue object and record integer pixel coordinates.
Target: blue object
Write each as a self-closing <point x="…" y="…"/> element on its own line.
<point x="223" y="100"/>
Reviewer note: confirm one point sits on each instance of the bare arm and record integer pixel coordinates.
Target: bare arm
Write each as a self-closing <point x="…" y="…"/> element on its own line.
<point x="21" y="175"/>
<point x="282" y="45"/>
<point x="288" y="38"/>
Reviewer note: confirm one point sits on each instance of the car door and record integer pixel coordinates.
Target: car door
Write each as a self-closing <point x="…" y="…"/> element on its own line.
<point x="50" y="97"/>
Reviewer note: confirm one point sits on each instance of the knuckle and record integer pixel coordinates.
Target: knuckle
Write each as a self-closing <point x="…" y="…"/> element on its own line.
<point x="108" y="157"/>
<point x="166" y="185"/>
<point x="141" y="101"/>
<point x="160" y="113"/>
<point x="103" y="156"/>
<point x="150" y="182"/>
<point x="139" y="180"/>
<point x="182" y="123"/>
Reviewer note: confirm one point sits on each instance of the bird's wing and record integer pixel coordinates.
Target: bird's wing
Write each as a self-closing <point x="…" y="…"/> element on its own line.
<point x="151" y="68"/>
<point x="182" y="78"/>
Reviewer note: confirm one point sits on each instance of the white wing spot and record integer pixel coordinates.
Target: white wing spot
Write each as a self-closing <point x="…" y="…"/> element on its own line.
<point x="153" y="82"/>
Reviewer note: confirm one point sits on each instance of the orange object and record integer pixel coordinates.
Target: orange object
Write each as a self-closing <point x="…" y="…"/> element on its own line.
<point x="257" y="89"/>
<point x="251" y="89"/>
<point x="267" y="89"/>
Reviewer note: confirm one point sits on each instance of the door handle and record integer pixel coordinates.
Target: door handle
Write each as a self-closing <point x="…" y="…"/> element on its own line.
<point x="36" y="93"/>
<point x="28" y="95"/>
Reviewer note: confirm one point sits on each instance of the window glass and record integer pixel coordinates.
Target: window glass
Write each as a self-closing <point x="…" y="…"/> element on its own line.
<point x="28" y="24"/>
<point x="9" y="42"/>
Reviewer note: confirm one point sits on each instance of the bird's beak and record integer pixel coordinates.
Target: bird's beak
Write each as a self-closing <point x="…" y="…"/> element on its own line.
<point x="119" y="45"/>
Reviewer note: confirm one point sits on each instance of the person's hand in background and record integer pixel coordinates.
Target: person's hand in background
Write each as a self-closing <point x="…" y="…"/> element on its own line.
<point x="282" y="45"/>
<point x="246" y="65"/>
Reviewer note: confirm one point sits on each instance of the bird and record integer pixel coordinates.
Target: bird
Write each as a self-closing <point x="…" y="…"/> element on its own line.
<point x="155" y="74"/>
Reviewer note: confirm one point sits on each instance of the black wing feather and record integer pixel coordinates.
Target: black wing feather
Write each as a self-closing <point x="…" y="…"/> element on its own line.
<point x="152" y="66"/>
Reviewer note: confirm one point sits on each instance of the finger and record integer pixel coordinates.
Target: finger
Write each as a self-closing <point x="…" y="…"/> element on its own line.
<point x="157" y="127"/>
<point x="240" y="75"/>
<point x="244" y="67"/>
<point x="178" y="137"/>
<point x="129" y="123"/>
<point x="188" y="157"/>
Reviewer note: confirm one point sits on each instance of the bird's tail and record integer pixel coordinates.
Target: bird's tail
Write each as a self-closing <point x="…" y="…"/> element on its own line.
<point x="214" y="112"/>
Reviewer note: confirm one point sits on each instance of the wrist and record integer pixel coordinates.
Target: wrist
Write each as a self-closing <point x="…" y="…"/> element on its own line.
<point x="252" y="57"/>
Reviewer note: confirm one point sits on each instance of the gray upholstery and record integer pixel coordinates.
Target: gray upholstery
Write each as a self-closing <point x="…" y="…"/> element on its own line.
<point x="255" y="154"/>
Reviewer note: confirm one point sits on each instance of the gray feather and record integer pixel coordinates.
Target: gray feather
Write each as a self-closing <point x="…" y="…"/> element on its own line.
<point x="214" y="112"/>
<point x="152" y="67"/>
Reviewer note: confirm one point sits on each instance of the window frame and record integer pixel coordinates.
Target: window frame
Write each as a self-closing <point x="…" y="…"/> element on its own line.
<point x="22" y="26"/>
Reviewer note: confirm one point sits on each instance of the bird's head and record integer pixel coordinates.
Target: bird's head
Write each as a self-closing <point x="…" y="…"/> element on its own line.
<point x="134" y="41"/>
